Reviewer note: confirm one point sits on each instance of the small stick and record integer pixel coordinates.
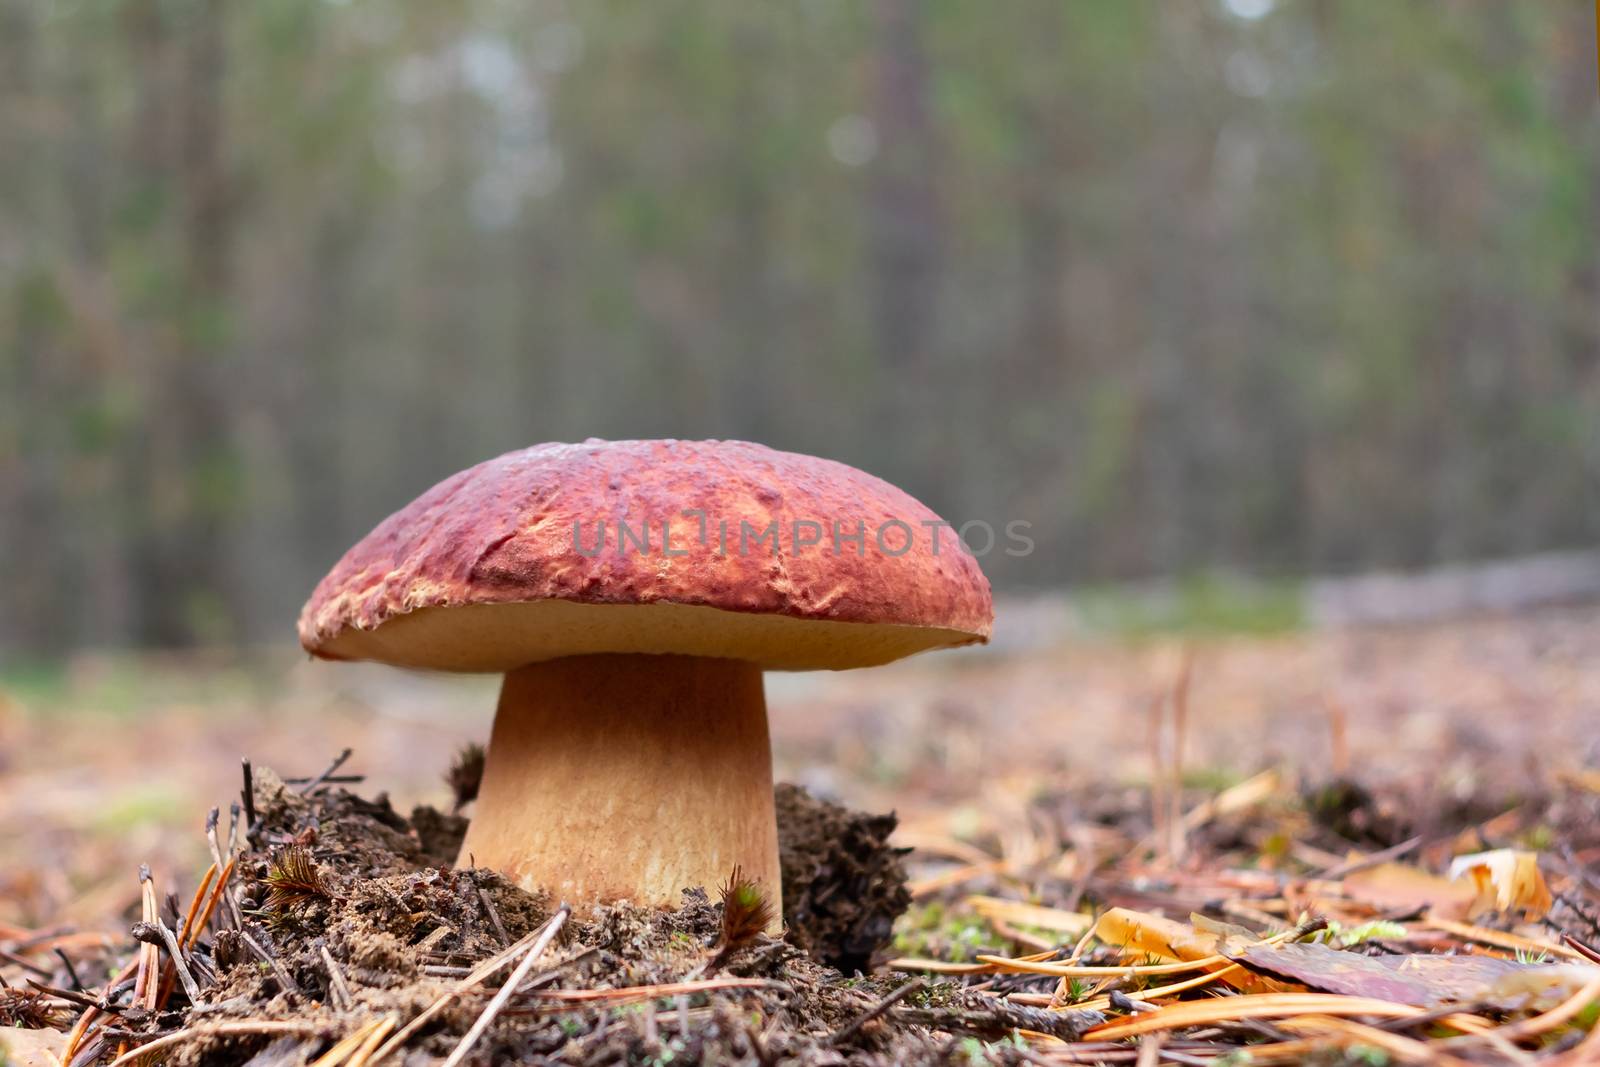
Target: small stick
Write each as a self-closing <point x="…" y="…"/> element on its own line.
<point x="332" y="779"/>
<point x="158" y="933"/>
<point x="27" y="965"/>
<point x="336" y="982"/>
<point x="248" y="795"/>
<point x="509" y="989"/>
<point x="284" y="978"/>
<point x="878" y="1009"/>
<point x="494" y="916"/>
<point x="233" y="826"/>
<point x="144" y="990"/>
<point x="338" y="762"/>
<point x="72" y="972"/>
<point x="1393" y="852"/>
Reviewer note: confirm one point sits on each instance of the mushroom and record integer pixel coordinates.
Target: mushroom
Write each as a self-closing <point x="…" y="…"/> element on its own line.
<point x="632" y="593"/>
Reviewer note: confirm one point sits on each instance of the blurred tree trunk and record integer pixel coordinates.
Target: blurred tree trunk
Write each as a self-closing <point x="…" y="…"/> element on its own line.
<point x="186" y="594"/>
<point x="904" y="231"/>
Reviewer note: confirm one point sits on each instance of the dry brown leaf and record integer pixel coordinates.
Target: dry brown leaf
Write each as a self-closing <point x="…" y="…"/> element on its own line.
<point x="1504" y="879"/>
<point x="1426" y="981"/>
<point x="1400" y="886"/>
<point x="31" y="1048"/>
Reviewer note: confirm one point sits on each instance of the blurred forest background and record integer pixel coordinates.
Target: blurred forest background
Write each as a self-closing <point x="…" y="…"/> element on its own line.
<point x="1295" y="287"/>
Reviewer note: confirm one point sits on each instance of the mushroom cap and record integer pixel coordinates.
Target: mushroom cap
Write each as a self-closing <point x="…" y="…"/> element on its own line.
<point x="502" y="564"/>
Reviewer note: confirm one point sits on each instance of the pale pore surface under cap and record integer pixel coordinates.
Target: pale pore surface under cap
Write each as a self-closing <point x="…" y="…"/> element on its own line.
<point x="495" y="638"/>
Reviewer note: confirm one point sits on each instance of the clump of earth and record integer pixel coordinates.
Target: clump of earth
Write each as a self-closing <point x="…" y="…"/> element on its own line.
<point x="351" y="914"/>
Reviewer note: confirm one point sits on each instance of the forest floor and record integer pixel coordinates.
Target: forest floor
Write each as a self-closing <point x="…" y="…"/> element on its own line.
<point x="1174" y="850"/>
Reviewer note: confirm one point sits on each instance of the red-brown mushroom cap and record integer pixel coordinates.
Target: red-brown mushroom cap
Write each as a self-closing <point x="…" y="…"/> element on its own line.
<point x="496" y="567"/>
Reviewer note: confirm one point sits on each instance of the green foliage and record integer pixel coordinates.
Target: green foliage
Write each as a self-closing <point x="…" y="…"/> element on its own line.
<point x="1187" y="292"/>
<point x="1203" y="603"/>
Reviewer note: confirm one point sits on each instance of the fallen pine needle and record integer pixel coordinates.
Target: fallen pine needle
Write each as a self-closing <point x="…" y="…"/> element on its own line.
<point x="914" y="963"/>
<point x="346" y="1046"/>
<point x="215" y="1030"/>
<point x="211" y="905"/>
<point x="1401" y="1048"/>
<point x="651" y="992"/>
<point x="1544" y="1022"/>
<point x="1249" y="1006"/>
<point x="1499" y="938"/>
<point x="379" y="1032"/>
<point x="480" y="974"/>
<point x="509" y="989"/>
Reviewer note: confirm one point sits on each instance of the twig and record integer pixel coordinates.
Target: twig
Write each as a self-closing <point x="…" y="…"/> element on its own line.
<point x="144" y="990"/>
<point x="72" y="972"/>
<point x="1000" y="1018"/>
<point x="248" y="795"/>
<point x="494" y="916"/>
<point x="157" y="933"/>
<point x="338" y="762"/>
<point x="25" y="964"/>
<point x="877" y="1009"/>
<point x="336" y="982"/>
<point x="509" y="988"/>
<point x="284" y="978"/>
<point x="628" y="994"/>
<point x="1393" y="852"/>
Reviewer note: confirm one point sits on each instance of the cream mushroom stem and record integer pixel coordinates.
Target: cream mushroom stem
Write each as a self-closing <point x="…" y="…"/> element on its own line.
<point x="624" y="777"/>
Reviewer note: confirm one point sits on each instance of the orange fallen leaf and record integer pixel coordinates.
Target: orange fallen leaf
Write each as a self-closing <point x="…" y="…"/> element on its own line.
<point x="1504" y="879"/>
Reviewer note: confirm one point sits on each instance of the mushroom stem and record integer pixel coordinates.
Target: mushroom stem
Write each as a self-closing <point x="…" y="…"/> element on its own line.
<point x="628" y="778"/>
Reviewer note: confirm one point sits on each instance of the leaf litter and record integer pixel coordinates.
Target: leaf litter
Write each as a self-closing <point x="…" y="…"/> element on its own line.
<point x="1272" y="920"/>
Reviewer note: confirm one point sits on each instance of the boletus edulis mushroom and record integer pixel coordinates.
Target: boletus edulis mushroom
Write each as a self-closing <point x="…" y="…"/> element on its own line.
<point x="632" y="593"/>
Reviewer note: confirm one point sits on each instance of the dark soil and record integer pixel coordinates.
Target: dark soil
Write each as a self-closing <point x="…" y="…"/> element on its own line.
<point x="843" y="885"/>
<point x="378" y="899"/>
